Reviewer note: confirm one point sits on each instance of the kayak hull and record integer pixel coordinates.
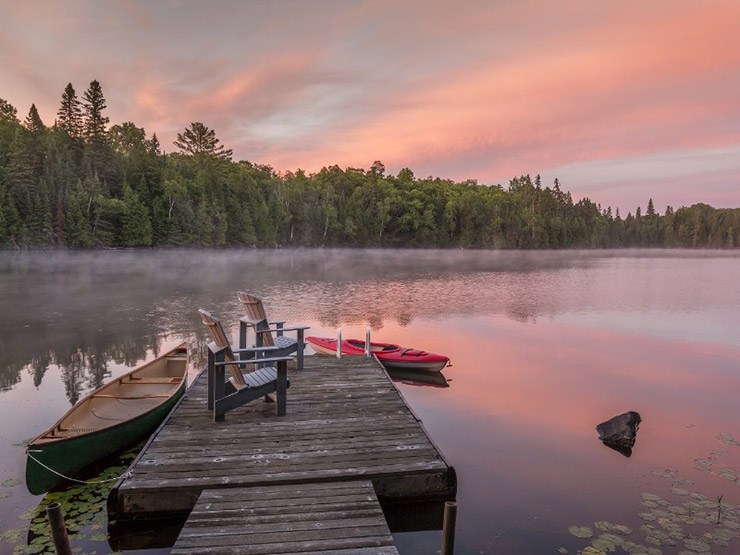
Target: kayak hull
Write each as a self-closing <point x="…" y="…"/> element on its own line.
<point x="391" y="356"/>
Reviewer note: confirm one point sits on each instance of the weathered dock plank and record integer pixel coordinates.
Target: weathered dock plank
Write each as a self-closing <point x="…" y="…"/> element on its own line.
<point x="345" y="421"/>
<point x="338" y="517"/>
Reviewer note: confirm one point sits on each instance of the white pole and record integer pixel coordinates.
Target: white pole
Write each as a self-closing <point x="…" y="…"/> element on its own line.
<point x="367" y="342"/>
<point x="339" y="342"/>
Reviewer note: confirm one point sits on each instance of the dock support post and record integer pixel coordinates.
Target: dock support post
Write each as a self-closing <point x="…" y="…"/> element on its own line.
<point x="219" y="384"/>
<point x="367" y="342"/>
<point x="301" y="346"/>
<point x="58" y="529"/>
<point x="339" y="342"/>
<point x="282" y="388"/>
<point x="448" y="528"/>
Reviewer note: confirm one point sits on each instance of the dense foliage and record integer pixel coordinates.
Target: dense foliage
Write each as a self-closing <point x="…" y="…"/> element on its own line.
<point x="79" y="183"/>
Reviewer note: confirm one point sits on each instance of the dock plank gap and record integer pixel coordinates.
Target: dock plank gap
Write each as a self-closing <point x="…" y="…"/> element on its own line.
<point x="345" y="421"/>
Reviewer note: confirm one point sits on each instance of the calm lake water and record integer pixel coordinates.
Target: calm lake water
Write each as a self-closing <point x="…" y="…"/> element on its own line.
<point x="544" y="346"/>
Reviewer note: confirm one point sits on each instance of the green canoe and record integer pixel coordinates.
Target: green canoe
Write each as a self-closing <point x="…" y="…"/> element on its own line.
<point x="111" y="418"/>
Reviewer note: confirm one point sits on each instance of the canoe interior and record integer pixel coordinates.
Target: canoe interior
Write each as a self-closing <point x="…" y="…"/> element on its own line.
<point x="123" y="399"/>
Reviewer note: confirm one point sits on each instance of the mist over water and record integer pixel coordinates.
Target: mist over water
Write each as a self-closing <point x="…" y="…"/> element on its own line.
<point x="544" y="346"/>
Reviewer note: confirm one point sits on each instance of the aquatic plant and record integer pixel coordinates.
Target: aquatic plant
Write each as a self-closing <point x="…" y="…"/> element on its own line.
<point x="84" y="509"/>
<point x="696" y="525"/>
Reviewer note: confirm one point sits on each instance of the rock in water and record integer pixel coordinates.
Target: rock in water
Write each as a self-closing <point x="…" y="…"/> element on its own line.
<point x="620" y="432"/>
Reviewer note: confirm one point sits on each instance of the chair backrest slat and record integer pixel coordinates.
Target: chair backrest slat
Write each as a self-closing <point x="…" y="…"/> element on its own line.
<point x="218" y="334"/>
<point x="256" y="313"/>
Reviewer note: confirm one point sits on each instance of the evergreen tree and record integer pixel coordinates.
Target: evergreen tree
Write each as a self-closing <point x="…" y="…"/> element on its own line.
<point x="201" y="142"/>
<point x="69" y="116"/>
<point x="650" y="212"/>
<point x="94" y="130"/>
<point x="33" y="121"/>
<point x="136" y="230"/>
<point x="94" y="122"/>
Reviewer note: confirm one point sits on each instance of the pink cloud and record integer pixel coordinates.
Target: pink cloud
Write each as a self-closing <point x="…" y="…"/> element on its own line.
<point x="483" y="91"/>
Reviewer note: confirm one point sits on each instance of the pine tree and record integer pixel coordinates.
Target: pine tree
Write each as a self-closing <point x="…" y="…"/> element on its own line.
<point x="33" y="121"/>
<point x="59" y="222"/>
<point x="154" y="147"/>
<point x="650" y="209"/>
<point x="95" y="122"/>
<point x="94" y="130"/>
<point x="69" y="116"/>
<point x="136" y="230"/>
<point x="201" y="142"/>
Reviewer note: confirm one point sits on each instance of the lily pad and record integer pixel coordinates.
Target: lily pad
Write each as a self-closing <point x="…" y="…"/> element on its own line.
<point x="12" y="536"/>
<point x="621" y="529"/>
<point x="679" y="491"/>
<point x="10" y="483"/>
<point x="4" y="494"/>
<point x="696" y="544"/>
<point x="604" y="544"/>
<point x="582" y="532"/>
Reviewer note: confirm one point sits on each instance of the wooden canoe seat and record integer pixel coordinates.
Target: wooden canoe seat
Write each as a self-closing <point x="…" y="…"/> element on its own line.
<point x="135" y="380"/>
<point x="74" y="431"/>
<point x="142" y="396"/>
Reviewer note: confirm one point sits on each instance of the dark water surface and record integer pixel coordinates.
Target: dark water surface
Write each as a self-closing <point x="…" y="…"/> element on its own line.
<point x="544" y="346"/>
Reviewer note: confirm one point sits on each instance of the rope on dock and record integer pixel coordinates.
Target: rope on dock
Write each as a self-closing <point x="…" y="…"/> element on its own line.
<point x="88" y="482"/>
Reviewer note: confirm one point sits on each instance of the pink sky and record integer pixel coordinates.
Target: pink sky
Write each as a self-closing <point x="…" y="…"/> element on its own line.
<point x="621" y="101"/>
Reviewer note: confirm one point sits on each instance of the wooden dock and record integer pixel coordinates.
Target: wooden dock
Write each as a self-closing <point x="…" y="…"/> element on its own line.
<point x="336" y="517"/>
<point x="345" y="421"/>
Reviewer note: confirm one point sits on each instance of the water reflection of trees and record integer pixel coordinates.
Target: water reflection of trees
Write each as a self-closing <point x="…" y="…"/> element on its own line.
<point x="80" y="312"/>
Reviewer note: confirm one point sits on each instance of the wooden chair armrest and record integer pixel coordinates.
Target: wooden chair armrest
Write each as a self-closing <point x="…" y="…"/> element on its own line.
<point x="255" y="361"/>
<point x="295" y="328"/>
<point x="254" y="350"/>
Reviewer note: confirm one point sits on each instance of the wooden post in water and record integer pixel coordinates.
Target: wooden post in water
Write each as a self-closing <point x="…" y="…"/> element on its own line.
<point x="58" y="529"/>
<point x="339" y="342"/>
<point x="367" y="342"/>
<point x="448" y="528"/>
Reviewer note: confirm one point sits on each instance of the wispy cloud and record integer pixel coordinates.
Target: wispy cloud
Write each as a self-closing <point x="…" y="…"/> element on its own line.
<point x="481" y="90"/>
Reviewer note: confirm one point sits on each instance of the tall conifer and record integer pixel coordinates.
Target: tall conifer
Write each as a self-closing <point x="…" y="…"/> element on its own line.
<point x="33" y="121"/>
<point x="95" y="121"/>
<point x="69" y="116"/>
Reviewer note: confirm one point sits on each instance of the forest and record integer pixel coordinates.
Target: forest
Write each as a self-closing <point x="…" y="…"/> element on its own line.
<point x="82" y="183"/>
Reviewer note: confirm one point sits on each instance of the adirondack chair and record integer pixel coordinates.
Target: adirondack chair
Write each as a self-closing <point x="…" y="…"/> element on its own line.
<point x="265" y="336"/>
<point x="269" y="377"/>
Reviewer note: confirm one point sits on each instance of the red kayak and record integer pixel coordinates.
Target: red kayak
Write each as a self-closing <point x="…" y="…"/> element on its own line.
<point x="391" y="356"/>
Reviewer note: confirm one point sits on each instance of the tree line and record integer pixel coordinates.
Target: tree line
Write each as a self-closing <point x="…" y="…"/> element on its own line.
<point x="80" y="183"/>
